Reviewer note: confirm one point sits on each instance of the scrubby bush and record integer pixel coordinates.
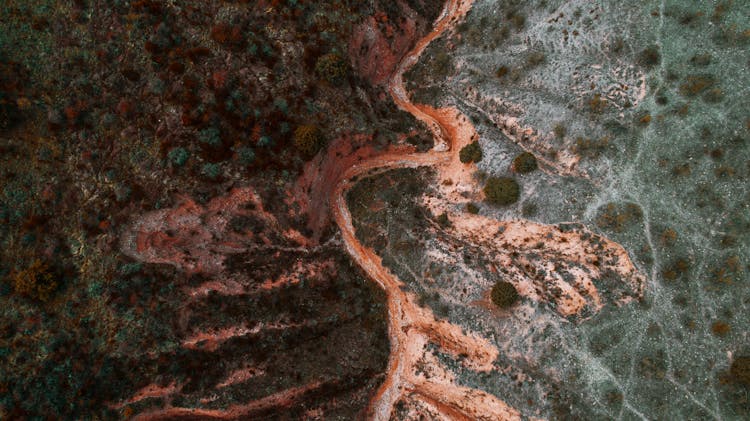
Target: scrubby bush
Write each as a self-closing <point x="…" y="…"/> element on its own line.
<point x="597" y="104"/>
<point x="619" y="217"/>
<point x="650" y="56"/>
<point x="331" y="67"/>
<point x="501" y="190"/>
<point x="472" y="208"/>
<point x="443" y="220"/>
<point x="524" y="163"/>
<point x="696" y="84"/>
<point x="535" y="58"/>
<point x="245" y="155"/>
<point x="178" y="156"/>
<point x="517" y="19"/>
<point x="210" y="136"/>
<point x="211" y="171"/>
<point x="308" y="139"/>
<point x="504" y="294"/>
<point x="470" y="153"/>
<point x="740" y="370"/>
<point x="228" y="35"/>
<point x="591" y="148"/>
<point x="560" y="130"/>
<point x="36" y="281"/>
<point x="442" y="65"/>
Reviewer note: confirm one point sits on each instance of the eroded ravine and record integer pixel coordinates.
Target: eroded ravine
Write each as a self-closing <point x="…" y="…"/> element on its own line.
<point x="580" y="253"/>
<point x="410" y="326"/>
<point x="197" y="239"/>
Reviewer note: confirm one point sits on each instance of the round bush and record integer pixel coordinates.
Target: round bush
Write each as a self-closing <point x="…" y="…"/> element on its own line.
<point x="504" y="294"/>
<point x="178" y="156"/>
<point x="740" y="370"/>
<point x="245" y="155"/>
<point x="524" y="163"/>
<point x="470" y="153"/>
<point x="308" y="140"/>
<point x="36" y="281"/>
<point x="211" y="171"/>
<point x="502" y="191"/>
<point x="331" y="67"/>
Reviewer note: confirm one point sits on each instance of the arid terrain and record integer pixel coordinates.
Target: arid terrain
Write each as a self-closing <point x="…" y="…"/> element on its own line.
<point x="469" y="210"/>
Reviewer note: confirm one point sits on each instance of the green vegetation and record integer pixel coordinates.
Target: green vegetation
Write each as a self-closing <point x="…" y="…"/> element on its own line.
<point x="701" y="60"/>
<point x="472" y="208"/>
<point x="502" y="191"/>
<point x="35" y="281"/>
<point x="529" y="209"/>
<point x="597" y="104"/>
<point x="210" y="137"/>
<point x="720" y="328"/>
<point x="504" y="294"/>
<point x="470" y="153"/>
<point x="245" y="155"/>
<point x="525" y="163"/>
<point x="308" y="139"/>
<point x="535" y="58"/>
<point x="443" y="220"/>
<point x="560" y="130"/>
<point x="740" y="370"/>
<point x="518" y="20"/>
<point x="331" y="67"/>
<point x="178" y="156"/>
<point x="211" y="170"/>
<point x="590" y="148"/>
<point x="696" y="84"/>
<point x="442" y="66"/>
<point x="618" y="217"/>
<point x="650" y="56"/>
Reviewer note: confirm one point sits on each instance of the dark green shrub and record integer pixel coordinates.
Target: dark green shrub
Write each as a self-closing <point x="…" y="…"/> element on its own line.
<point x="535" y="58"/>
<point x="501" y="191"/>
<point x="178" y="156"/>
<point x="714" y="95"/>
<point x="472" y="208"/>
<point x="245" y="155"/>
<point x="331" y="67"/>
<point x="210" y="137"/>
<point x="560" y="130"/>
<point x="701" y="60"/>
<point x="35" y="281"/>
<point x="308" y="139"/>
<point x="504" y="294"/>
<point x="211" y="171"/>
<point x="525" y="163"/>
<point x="696" y="84"/>
<point x="518" y="20"/>
<point x="597" y="104"/>
<point x="740" y="370"/>
<point x="470" y="153"/>
<point x="650" y="56"/>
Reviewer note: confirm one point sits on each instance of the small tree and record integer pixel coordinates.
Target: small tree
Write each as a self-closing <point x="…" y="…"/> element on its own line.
<point x="470" y="153"/>
<point x="308" y="139"/>
<point x="650" y="56"/>
<point x="35" y="281"/>
<point x="178" y="156"/>
<point x="501" y="191"/>
<point x="331" y="67"/>
<point x="524" y="163"/>
<point x="504" y="294"/>
<point x="740" y="370"/>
